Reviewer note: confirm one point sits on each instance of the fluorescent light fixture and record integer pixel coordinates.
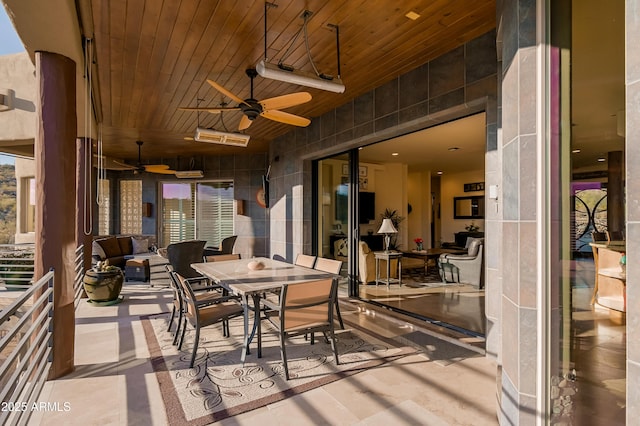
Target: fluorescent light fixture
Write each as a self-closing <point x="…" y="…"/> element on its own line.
<point x="222" y="138"/>
<point x="182" y="174"/>
<point x="290" y="75"/>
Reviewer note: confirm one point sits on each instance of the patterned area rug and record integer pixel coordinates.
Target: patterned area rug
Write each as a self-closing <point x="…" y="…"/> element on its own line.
<point x="219" y="386"/>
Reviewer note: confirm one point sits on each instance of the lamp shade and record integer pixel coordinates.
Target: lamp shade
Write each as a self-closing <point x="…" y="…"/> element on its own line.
<point x="387" y="227"/>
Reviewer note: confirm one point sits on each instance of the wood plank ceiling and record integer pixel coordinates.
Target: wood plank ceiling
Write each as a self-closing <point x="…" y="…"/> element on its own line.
<point x="155" y="56"/>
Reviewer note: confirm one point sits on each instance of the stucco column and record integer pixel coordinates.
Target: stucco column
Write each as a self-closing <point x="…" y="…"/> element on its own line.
<point x="85" y="199"/>
<point x="55" y="155"/>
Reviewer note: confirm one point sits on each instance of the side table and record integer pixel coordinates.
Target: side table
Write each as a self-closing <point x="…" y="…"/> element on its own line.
<point x="388" y="256"/>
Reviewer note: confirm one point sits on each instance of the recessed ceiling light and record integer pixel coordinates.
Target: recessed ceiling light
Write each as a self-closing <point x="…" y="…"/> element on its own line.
<point x="602" y="159"/>
<point x="575" y="151"/>
<point x="394" y="153"/>
<point x="440" y="172"/>
<point x="412" y="15"/>
<point x="453" y="148"/>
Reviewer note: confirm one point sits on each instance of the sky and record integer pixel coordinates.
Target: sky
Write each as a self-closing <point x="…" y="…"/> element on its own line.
<point x="9" y="43"/>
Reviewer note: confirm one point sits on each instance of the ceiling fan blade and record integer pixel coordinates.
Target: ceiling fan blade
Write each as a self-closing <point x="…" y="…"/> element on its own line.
<point x="285" y="117"/>
<point x="154" y="167"/>
<point x="244" y="123"/>
<point x="211" y="110"/>
<point x="124" y="166"/>
<point x="225" y="92"/>
<point x="161" y="171"/>
<point x="286" y="101"/>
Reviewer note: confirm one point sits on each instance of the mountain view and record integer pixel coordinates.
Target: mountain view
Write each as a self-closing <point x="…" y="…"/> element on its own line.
<point x="7" y="203"/>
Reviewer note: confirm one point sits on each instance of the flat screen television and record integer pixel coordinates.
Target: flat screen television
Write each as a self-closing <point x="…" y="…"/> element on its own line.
<point x="367" y="207"/>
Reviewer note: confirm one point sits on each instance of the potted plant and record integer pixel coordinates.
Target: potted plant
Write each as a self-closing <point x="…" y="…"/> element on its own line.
<point x="472" y="227"/>
<point x="419" y="243"/>
<point x="103" y="282"/>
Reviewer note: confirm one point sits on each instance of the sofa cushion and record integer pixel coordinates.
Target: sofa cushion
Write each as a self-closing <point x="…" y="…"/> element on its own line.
<point x="126" y="246"/>
<point x="473" y="246"/>
<point x="140" y="245"/>
<point x="110" y="246"/>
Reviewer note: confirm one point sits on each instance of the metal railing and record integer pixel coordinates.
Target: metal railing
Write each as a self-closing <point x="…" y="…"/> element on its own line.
<point x="26" y="326"/>
<point x="16" y="265"/>
<point x="78" y="289"/>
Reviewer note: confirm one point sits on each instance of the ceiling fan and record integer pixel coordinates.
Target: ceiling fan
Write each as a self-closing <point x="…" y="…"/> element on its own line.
<point x="267" y="108"/>
<point x="151" y="168"/>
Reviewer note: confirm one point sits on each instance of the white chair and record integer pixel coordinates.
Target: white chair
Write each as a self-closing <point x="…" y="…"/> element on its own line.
<point x="463" y="268"/>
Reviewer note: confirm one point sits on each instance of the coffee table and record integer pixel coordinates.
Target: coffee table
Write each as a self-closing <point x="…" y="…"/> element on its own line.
<point x="432" y="253"/>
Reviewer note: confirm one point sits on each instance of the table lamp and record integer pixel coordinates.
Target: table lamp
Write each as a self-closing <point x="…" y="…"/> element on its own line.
<point x="387" y="228"/>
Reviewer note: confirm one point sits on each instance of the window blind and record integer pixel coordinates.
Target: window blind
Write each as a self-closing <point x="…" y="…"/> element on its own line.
<point x="197" y="210"/>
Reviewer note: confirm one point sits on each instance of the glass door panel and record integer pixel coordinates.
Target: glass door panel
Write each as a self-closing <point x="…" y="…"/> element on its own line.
<point x="333" y="207"/>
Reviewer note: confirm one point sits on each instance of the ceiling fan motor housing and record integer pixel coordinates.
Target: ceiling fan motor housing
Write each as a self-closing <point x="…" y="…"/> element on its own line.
<point x="252" y="110"/>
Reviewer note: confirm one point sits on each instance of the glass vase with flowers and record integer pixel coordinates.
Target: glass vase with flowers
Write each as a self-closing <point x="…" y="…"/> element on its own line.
<point x="419" y="244"/>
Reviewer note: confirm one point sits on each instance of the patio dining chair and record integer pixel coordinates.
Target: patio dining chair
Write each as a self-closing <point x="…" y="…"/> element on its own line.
<point x="226" y="247"/>
<point x="333" y="267"/>
<point x="202" y="313"/>
<point x="202" y="294"/>
<point x="181" y="255"/>
<point x="221" y="257"/>
<point x="303" y="308"/>
<point x="305" y="260"/>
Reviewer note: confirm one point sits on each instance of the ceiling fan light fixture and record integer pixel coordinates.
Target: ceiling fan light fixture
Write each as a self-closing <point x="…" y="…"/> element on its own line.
<point x="303" y="78"/>
<point x="222" y="138"/>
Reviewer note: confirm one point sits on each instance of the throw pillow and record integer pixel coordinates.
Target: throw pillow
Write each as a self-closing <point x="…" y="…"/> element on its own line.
<point x="140" y="245"/>
<point x="97" y="250"/>
<point x="341" y="247"/>
<point x="474" y="245"/>
<point x="110" y="247"/>
<point x="125" y="246"/>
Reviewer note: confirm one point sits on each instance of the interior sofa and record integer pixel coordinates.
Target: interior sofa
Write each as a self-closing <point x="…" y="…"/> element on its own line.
<point x="117" y="249"/>
<point x="367" y="265"/>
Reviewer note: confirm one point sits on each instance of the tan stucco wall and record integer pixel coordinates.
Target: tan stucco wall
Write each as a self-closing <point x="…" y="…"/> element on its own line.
<point x="17" y="125"/>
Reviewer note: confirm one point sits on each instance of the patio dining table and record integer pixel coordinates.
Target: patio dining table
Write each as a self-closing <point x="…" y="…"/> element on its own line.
<point x="236" y="277"/>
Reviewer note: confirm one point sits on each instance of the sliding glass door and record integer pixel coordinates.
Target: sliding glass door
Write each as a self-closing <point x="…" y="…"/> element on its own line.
<point x="196" y="210"/>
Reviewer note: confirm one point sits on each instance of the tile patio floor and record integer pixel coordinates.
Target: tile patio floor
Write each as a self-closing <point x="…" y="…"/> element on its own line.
<point x="114" y="383"/>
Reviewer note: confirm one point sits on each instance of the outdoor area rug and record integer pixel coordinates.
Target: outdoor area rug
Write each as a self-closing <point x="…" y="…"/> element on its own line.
<point x="219" y="386"/>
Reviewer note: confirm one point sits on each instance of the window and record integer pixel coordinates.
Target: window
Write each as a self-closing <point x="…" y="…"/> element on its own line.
<point x="197" y="210"/>
<point x="131" y="207"/>
<point x="29" y="218"/>
<point x="104" y="206"/>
